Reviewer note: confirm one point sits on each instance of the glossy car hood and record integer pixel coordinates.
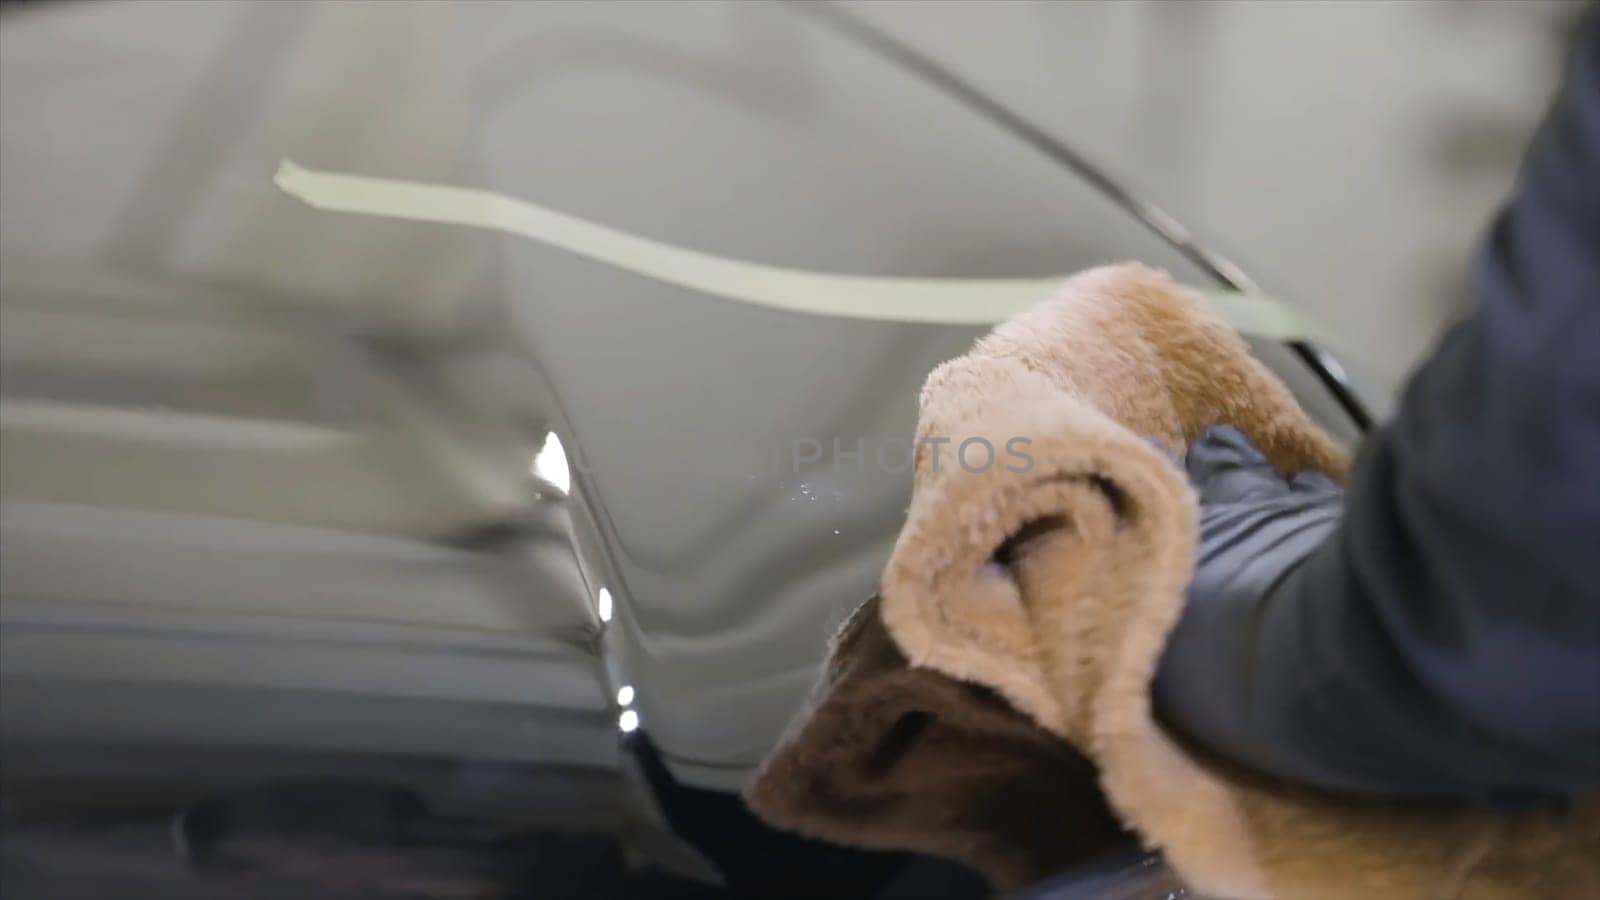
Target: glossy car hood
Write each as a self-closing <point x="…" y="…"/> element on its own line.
<point x="183" y="340"/>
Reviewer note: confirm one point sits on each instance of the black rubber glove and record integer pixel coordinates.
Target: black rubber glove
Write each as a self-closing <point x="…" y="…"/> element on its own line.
<point x="1442" y="639"/>
<point x="1256" y="528"/>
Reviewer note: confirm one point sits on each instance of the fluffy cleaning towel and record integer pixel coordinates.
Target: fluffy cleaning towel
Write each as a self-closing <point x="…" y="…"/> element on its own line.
<point x="893" y="757"/>
<point x="1056" y="584"/>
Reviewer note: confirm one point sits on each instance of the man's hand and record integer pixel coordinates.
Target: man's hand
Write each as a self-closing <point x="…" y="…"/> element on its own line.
<point x="1436" y="631"/>
<point x="1254" y="524"/>
<point x="1256" y="527"/>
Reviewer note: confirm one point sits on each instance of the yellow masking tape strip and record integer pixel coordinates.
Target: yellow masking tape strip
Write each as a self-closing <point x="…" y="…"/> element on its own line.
<point x="955" y="301"/>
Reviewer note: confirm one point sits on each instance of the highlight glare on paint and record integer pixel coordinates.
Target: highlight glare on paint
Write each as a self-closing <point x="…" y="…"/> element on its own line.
<point x="1332" y="365"/>
<point x="628" y="721"/>
<point x="602" y="603"/>
<point x="550" y="463"/>
<point x="625" y="695"/>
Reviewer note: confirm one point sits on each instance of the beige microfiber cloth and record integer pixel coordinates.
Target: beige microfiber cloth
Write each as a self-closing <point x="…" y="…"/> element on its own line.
<point x="1057" y="585"/>
<point x="898" y="758"/>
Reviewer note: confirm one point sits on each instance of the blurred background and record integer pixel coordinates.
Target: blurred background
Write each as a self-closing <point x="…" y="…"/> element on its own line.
<point x="1349" y="155"/>
<point x="342" y="555"/>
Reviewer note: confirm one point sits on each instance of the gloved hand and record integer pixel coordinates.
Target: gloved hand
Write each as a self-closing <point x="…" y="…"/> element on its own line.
<point x="1256" y="527"/>
<point x="1254" y="524"/>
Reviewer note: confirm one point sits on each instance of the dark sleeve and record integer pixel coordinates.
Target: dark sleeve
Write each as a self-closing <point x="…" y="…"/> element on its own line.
<point x="1445" y="639"/>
